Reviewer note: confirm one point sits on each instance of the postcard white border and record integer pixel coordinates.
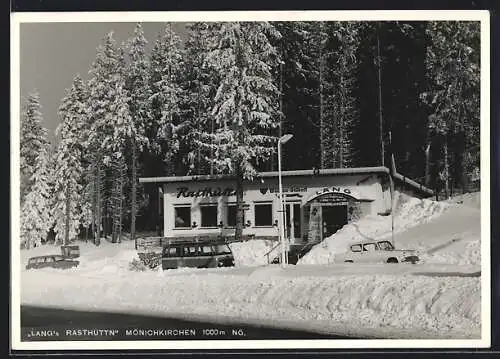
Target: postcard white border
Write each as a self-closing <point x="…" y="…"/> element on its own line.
<point x="413" y="15"/>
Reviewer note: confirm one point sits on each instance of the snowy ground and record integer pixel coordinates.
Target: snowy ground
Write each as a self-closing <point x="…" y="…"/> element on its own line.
<point x="437" y="299"/>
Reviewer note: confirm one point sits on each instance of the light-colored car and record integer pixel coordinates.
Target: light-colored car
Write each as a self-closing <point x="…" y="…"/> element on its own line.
<point x="376" y="252"/>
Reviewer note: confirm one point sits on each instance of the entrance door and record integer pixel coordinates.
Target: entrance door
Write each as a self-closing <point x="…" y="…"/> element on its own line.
<point x="293" y="222"/>
<point x="334" y="218"/>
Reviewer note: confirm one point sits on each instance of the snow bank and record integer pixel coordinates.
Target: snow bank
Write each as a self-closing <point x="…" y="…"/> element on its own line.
<point x="468" y="199"/>
<point x="106" y="258"/>
<point x="364" y="305"/>
<point x="253" y="252"/>
<point x="413" y="218"/>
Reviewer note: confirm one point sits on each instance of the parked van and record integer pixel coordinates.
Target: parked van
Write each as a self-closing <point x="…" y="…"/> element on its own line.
<point x="197" y="254"/>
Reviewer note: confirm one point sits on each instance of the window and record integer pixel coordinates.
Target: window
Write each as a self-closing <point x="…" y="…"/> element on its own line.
<point x="231" y="215"/>
<point x="205" y="250"/>
<point x="208" y="215"/>
<point x="182" y="217"/>
<point x="370" y="247"/>
<point x="189" y="251"/>
<point x="173" y="252"/>
<point x="222" y="249"/>
<point x="356" y="248"/>
<point x="263" y="214"/>
<point x="385" y="246"/>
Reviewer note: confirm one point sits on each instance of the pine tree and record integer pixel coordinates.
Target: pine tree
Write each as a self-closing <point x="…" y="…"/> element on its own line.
<point x="298" y="81"/>
<point x="453" y="95"/>
<point x="110" y="121"/>
<point x="199" y="84"/>
<point x="35" y="210"/>
<point x="166" y="67"/>
<point x="137" y="85"/>
<point x="246" y="107"/>
<point x="68" y="189"/>
<point x="339" y="101"/>
<point x="33" y="140"/>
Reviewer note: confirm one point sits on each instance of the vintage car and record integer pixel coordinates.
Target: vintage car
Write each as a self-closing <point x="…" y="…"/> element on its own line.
<point x="376" y="252"/>
<point x="196" y="254"/>
<point x="51" y="261"/>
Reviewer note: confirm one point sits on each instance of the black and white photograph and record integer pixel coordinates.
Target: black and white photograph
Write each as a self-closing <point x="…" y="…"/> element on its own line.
<point x="250" y="180"/>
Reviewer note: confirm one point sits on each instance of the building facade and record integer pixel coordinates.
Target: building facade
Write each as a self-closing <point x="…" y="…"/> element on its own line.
<point x="317" y="203"/>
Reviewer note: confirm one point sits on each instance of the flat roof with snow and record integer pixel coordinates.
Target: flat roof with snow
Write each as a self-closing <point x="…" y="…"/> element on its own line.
<point x="405" y="181"/>
<point x="316" y="172"/>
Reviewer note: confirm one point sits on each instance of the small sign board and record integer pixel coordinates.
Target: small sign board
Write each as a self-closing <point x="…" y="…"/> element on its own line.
<point x="331" y="198"/>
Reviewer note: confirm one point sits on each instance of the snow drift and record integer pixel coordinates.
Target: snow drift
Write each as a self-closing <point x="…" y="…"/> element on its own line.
<point x="448" y="226"/>
<point x="384" y="306"/>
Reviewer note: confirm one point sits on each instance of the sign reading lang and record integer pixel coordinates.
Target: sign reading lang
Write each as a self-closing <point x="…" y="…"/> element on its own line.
<point x="331" y="192"/>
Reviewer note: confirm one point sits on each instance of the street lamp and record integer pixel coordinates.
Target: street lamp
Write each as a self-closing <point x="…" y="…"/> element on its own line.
<point x="283" y="139"/>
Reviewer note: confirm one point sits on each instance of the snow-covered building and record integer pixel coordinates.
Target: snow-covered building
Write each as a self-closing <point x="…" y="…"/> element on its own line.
<point x="318" y="202"/>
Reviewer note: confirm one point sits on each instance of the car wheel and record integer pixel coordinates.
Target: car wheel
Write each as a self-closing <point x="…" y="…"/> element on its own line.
<point x="348" y="261"/>
<point x="392" y="260"/>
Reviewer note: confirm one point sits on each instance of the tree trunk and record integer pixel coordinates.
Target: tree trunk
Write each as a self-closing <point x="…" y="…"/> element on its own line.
<point x="321" y="122"/>
<point x="341" y="124"/>
<point x="238" y="233"/>
<point x="97" y="189"/>
<point x="212" y="154"/>
<point x="133" y="200"/>
<point x="428" y="163"/>
<point x="67" y="215"/>
<point x="93" y="202"/>
<point x="446" y="168"/>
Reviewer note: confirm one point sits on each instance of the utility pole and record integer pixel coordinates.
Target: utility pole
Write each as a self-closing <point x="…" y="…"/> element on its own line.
<point x="381" y="128"/>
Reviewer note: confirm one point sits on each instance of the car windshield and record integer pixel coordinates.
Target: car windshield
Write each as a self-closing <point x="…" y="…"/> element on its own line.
<point x="369" y="247"/>
<point x="222" y="249"/>
<point x="385" y="246"/>
<point x="205" y="250"/>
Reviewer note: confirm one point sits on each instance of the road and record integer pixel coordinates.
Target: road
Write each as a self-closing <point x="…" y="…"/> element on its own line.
<point x="46" y="324"/>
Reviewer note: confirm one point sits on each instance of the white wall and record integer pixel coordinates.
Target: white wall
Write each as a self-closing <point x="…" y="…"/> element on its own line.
<point x="365" y="186"/>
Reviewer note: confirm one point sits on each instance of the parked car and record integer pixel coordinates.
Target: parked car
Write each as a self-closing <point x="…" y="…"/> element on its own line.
<point x="376" y="252"/>
<point x="51" y="261"/>
<point x="197" y="255"/>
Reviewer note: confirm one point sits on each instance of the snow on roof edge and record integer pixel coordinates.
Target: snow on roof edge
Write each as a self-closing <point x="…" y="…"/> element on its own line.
<point x="414" y="184"/>
<point x="317" y="172"/>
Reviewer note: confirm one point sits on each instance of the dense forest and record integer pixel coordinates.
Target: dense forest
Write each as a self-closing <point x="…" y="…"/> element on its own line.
<point x="352" y="94"/>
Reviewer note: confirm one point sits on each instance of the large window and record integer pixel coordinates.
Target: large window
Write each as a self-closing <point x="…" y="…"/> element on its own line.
<point x="231" y="215"/>
<point x="182" y="216"/>
<point x="208" y="215"/>
<point x="263" y="214"/>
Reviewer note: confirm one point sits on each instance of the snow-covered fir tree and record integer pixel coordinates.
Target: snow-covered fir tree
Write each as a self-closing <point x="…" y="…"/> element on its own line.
<point x="33" y="141"/>
<point x="246" y="108"/>
<point x="340" y="114"/>
<point x="35" y="210"/>
<point x="453" y="95"/>
<point x="199" y="83"/>
<point x="165" y="77"/>
<point x="111" y="125"/>
<point x="67" y="212"/>
<point x="139" y="91"/>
